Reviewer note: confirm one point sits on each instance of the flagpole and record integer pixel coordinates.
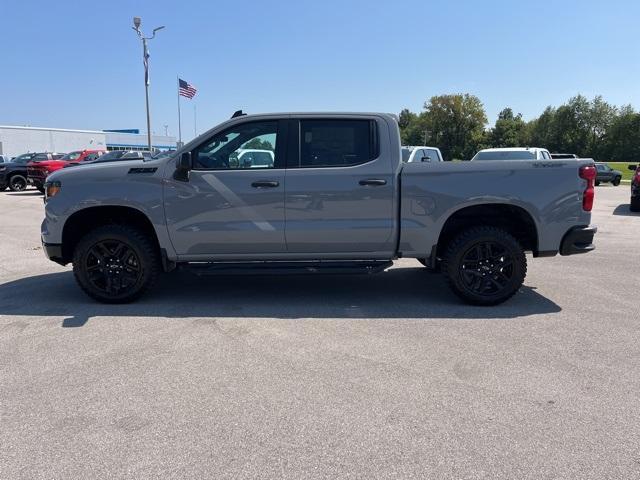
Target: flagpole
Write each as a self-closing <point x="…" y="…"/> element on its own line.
<point x="179" y="119"/>
<point x="195" y="122"/>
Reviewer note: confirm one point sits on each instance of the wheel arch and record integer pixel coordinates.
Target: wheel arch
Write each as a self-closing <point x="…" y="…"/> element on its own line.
<point x="83" y="221"/>
<point x="513" y="218"/>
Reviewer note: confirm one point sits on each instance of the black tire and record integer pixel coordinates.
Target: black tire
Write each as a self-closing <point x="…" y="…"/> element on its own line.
<point x="17" y="183"/>
<point x="616" y="181"/>
<point x="40" y="188"/>
<point x="634" y="206"/>
<point x="115" y="263"/>
<point x="484" y="265"/>
<point x="597" y="183"/>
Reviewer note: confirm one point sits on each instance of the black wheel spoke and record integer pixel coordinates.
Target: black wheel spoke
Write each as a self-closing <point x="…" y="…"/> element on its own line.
<point x="486" y="268"/>
<point x="120" y="251"/>
<point x="112" y="267"/>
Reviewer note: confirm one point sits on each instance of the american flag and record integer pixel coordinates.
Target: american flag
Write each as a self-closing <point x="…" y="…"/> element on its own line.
<point x="186" y="89"/>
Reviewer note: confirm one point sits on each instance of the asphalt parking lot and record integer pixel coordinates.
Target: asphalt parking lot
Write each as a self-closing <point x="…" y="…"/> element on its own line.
<point x="386" y="376"/>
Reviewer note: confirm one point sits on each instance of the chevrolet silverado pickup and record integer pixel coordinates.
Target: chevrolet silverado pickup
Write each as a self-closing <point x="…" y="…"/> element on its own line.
<point x="337" y="198"/>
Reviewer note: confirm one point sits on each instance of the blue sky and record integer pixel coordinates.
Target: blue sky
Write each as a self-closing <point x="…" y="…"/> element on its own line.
<point x="77" y="64"/>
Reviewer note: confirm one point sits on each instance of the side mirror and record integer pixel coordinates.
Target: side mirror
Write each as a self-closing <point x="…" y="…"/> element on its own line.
<point x="426" y="159"/>
<point x="632" y="167"/>
<point x="184" y="164"/>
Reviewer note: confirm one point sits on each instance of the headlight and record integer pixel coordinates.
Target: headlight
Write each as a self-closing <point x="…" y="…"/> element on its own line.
<point x="51" y="189"/>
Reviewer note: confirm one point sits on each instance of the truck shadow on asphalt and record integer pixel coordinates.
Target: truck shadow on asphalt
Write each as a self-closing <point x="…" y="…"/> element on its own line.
<point x="623" y="210"/>
<point x="398" y="293"/>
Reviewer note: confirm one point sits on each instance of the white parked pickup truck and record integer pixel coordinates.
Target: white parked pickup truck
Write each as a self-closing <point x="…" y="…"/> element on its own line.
<point x="517" y="153"/>
<point x="421" y="154"/>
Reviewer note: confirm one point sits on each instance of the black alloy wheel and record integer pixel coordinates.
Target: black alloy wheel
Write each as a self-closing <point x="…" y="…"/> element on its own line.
<point x="486" y="268"/>
<point x="484" y="265"/>
<point x="18" y="183"/>
<point x="112" y="267"/>
<point x="116" y="263"/>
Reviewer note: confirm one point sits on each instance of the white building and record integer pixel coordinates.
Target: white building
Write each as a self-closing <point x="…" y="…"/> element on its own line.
<point x="15" y="140"/>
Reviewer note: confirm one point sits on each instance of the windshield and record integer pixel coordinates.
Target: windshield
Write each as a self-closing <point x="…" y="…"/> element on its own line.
<point x="71" y="156"/>
<point x="24" y="158"/>
<point x="113" y="155"/>
<point x="163" y="154"/>
<point x="502" y="155"/>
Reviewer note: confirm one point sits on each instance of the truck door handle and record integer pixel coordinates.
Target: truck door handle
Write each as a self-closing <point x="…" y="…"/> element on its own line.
<point x="265" y="184"/>
<point x="373" y="182"/>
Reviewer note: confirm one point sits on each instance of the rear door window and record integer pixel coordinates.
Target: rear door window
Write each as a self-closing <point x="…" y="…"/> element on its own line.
<point x="337" y="143"/>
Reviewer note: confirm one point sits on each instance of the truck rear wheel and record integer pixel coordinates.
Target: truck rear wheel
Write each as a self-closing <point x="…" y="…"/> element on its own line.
<point x="485" y="265"/>
<point x="115" y="263"/>
<point x="634" y="206"/>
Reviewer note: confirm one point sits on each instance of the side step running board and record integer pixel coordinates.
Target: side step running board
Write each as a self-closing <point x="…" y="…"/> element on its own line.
<point x="287" y="268"/>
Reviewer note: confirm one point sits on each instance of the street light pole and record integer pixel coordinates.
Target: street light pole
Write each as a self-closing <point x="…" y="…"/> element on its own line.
<point x="145" y="59"/>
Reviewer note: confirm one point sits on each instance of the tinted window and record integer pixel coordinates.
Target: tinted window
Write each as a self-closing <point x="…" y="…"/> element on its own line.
<point x="71" y="156"/>
<point x="256" y="158"/>
<point x="249" y="145"/>
<point x="406" y="153"/>
<point x="92" y="156"/>
<point x="600" y="168"/>
<point x="336" y="143"/>
<point x="504" y="156"/>
<point x="24" y="158"/>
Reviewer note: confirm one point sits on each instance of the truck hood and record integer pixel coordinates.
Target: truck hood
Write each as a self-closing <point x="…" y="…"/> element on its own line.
<point x="46" y="163"/>
<point x="104" y="170"/>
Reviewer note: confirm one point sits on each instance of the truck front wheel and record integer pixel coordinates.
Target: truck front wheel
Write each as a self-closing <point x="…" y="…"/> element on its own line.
<point x="485" y="265"/>
<point x="115" y="263"/>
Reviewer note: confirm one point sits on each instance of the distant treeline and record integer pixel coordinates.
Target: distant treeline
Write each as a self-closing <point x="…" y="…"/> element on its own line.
<point x="457" y="125"/>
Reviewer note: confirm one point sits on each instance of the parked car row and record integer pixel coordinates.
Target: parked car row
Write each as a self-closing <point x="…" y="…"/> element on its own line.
<point x="33" y="168"/>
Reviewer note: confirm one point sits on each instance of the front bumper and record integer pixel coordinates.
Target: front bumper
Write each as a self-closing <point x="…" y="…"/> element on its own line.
<point x="53" y="251"/>
<point x="578" y="240"/>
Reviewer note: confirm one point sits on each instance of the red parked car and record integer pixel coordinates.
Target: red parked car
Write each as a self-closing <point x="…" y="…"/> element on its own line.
<point x="634" y="205"/>
<point x="37" y="172"/>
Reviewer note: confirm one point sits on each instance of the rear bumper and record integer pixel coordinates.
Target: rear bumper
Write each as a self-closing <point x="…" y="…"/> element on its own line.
<point x="53" y="251"/>
<point x="578" y="240"/>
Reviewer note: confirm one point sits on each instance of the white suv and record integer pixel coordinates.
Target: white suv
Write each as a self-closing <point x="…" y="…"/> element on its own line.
<point x="518" y="153"/>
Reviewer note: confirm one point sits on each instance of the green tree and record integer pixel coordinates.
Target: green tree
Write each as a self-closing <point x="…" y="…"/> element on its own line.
<point x="621" y="141"/>
<point x="411" y="128"/>
<point x="258" y="144"/>
<point x="509" y="131"/>
<point x="455" y="124"/>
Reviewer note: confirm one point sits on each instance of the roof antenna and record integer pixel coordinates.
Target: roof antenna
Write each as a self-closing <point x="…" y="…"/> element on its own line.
<point x="238" y="113"/>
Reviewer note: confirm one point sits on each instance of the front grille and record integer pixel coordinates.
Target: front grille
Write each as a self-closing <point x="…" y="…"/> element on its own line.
<point x="37" y="173"/>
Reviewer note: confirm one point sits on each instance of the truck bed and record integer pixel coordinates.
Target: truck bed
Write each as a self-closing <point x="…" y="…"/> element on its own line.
<point x="550" y="191"/>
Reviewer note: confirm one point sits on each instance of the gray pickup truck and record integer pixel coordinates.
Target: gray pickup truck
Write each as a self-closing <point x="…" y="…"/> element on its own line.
<point x="336" y="198"/>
